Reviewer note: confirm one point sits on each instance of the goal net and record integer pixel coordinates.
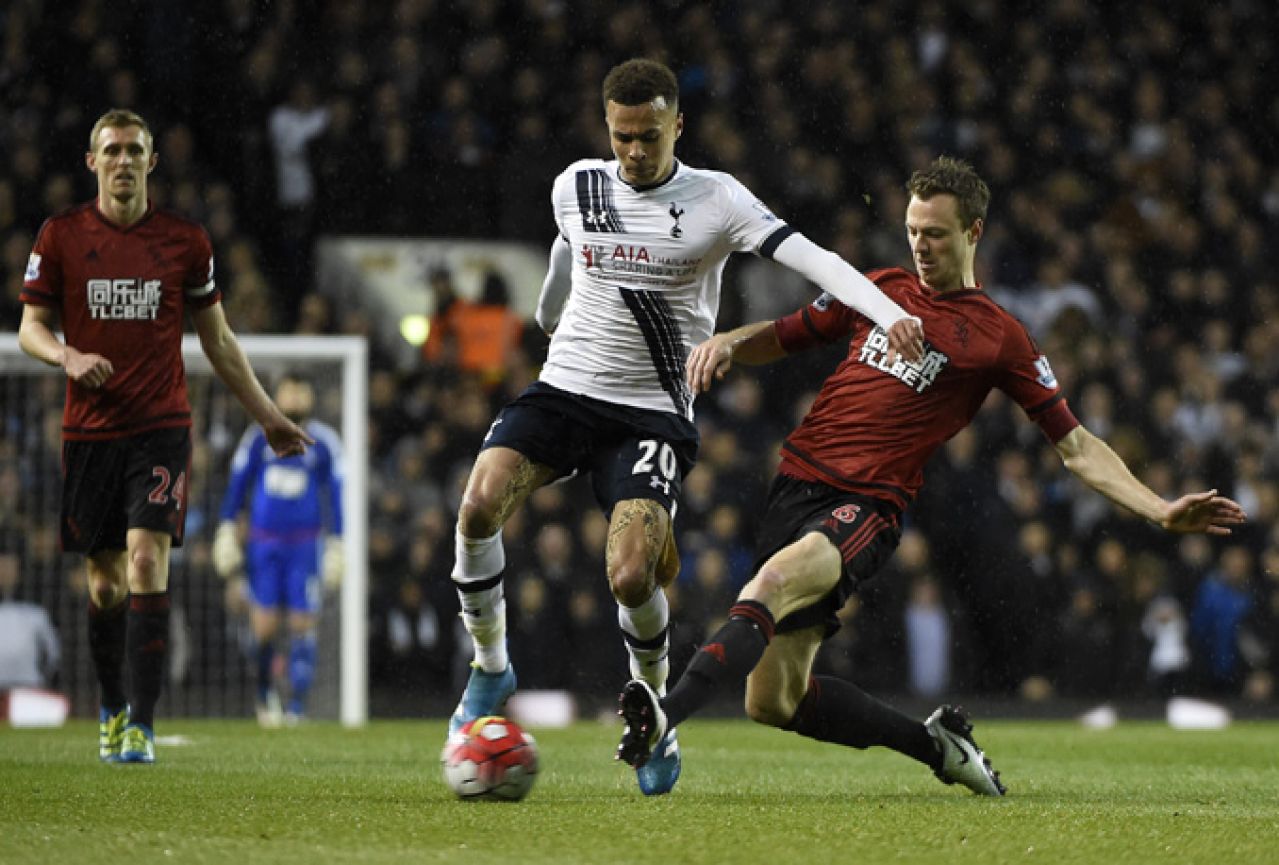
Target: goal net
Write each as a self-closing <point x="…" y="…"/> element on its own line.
<point x="211" y="667"/>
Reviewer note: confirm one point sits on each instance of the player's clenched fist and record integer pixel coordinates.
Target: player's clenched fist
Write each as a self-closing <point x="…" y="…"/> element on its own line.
<point x="87" y="370"/>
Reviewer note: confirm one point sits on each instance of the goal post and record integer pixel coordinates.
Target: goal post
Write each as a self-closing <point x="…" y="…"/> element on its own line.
<point x="30" y="409"/>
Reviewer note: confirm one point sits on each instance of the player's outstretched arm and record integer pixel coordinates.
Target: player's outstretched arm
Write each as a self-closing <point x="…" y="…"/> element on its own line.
<point x="1093" y="462"/>
<point x="851" y="288"/>
<point x="751" y="344"/>
<point x="224" y="353"/>
<point x="36" y="336"/>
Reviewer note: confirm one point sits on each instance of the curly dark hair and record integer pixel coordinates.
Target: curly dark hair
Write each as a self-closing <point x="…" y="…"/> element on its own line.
<point x="640" y="81"/>
<point x="951" y="176"/>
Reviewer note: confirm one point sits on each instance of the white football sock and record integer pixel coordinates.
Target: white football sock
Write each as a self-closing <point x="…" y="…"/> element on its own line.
<point x="483" y="610"/>
<point x="647" y="639"/>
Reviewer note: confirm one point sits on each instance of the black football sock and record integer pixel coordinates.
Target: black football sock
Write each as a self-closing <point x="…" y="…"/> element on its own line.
<point x="728" y="656"/>
<point x="107" y="628"/>
<point x="148" y="646"/>
<point x="834" y="710"/>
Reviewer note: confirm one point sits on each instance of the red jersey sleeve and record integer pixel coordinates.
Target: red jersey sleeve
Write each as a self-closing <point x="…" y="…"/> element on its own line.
<point x="42" y="282"/>
<point x="1026" y="376"/>
<point x="198" y="285"/>
<point x="825" y="320"/>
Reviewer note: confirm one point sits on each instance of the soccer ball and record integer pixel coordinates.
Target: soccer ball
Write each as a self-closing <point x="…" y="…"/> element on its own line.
<point x="490" y="758"/>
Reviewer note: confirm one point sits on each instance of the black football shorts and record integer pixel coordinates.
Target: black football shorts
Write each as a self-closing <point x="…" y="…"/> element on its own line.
<point x="629" y="453"/>
<point x="864" y="530"/>
<point x="111" y="486"/>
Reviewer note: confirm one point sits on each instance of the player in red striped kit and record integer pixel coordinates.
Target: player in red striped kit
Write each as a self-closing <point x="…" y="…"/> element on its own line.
<point x="120" y="275"/>
<point x="855" y="462"/>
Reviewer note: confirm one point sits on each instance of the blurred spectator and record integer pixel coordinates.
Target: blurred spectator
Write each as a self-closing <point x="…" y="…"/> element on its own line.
<point x="1223" y="600"/>
<point x="1165" y="626"/>
<point x="30" y="650"/>
<point x="478" y="337"/>
<point x="926" y="620"/>
<point x="293" y="126"/>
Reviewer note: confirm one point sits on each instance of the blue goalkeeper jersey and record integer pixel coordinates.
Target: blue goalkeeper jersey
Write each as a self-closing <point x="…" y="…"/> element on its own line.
<point x="293" y="498"/>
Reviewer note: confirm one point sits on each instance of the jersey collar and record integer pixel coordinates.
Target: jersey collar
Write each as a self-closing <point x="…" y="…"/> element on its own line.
<point x="675" y="166"/>
<point x="105" y="220"/>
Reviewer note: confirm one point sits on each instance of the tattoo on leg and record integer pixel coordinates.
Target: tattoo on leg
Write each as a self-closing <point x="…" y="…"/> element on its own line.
<point x="526" y="477"/>
<point x="649" y="514"/>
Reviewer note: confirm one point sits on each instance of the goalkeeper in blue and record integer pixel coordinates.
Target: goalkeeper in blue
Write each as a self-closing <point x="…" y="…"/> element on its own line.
<point x="293" y="545"/>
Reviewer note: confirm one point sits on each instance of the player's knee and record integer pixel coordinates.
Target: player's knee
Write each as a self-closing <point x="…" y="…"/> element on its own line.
<point x="146" y="567"/>
<point x="477" y="516"/>
<point x="105" y="591"/>
<point x="631" y="580"/>
<point x="770" y="584"/>
<point x="769" y="709"/>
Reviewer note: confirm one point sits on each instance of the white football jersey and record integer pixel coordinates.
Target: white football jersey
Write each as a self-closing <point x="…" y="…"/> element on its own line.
<point x="646" y="275"/>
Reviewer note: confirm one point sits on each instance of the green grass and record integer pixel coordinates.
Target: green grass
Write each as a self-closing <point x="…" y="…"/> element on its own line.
<point x="235" y="794"/>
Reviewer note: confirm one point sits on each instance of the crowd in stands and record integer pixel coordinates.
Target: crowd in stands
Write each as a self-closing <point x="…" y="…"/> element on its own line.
<point x="1133" y="155"/>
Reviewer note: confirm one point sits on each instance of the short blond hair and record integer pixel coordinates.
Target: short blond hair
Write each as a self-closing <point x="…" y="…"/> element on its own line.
<point x="118" y="118"/>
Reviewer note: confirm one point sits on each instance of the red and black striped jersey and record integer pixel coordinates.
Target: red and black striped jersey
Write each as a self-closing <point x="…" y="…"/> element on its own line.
<point x="122" y="293"/>
<point x="874" y="425"/>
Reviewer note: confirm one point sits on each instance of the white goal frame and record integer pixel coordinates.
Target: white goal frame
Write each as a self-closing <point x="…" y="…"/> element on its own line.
<point x="352" y="353"/>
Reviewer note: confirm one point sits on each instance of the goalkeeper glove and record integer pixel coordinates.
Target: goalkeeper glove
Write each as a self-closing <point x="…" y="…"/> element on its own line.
<point x="333" y="563"/>
<point x="228" y="558"/>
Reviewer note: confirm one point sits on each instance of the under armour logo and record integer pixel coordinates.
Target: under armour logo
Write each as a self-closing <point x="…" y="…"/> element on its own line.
<point x="658" y="483"/>
<point x="595" y="217"/>
<point x="676" y="213"/>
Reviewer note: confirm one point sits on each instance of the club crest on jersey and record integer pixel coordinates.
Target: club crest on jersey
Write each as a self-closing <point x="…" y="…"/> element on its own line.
<point x="33" y="268"/>
<point x="823" y="301"/>
<point x="676" y="212"/>
<point x="123" y="299"/>
<point x="1046" y="377"/>
<point x="917" y="376"/>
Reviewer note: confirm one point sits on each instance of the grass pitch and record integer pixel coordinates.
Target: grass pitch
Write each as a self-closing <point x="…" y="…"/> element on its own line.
<point x="231" y="793"/>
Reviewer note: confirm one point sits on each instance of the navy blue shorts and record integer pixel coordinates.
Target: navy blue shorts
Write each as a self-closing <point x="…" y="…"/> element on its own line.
<point x="630" y="453"/>
<point x="864" y="530"/>
<point x="137" y="482"/>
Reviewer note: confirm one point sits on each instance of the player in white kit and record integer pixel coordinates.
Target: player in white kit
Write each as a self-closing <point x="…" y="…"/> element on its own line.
<point x="633" y="285"/>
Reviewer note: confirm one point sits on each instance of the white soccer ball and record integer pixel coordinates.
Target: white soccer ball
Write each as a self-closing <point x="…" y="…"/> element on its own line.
<point x="490" y="758"/>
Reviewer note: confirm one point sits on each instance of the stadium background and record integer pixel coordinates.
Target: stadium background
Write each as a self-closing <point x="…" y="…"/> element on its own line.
<point x="1131" y="152"/>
